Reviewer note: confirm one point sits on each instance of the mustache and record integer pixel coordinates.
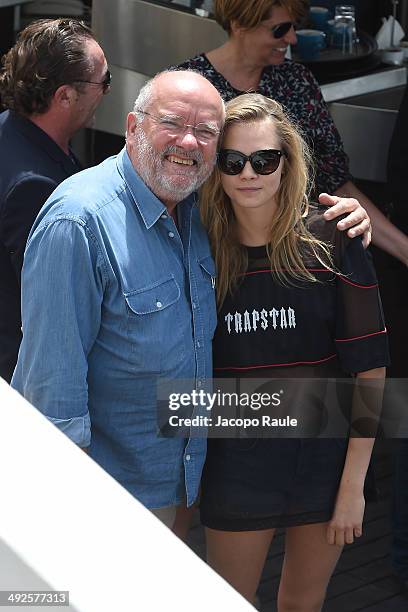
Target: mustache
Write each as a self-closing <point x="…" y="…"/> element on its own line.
<point x="197" y="156"/>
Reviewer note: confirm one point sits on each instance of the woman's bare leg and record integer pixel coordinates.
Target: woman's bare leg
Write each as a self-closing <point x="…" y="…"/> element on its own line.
<point x="239" y="557"/>
<point x="308" y="565"/>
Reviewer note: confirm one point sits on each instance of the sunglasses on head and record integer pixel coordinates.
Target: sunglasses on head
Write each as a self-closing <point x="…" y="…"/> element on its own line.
<point x="279" y="30"/>
<point x="262" y="162"/>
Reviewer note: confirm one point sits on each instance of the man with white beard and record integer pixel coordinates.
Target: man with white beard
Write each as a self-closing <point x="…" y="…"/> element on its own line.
<point x="118" y="293"/>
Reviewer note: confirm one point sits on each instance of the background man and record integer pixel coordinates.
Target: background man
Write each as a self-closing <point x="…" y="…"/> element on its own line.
<point x="51" y="82"/>
<point x="118" y="293"/>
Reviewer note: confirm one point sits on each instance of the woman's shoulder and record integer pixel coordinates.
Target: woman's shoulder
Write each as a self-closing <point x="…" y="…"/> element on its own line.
<point x="322" y="229"/>
<point x="327" y="231"/>
<point x="199" y="62"/>
<point x="290" y="67"/>
<point x="295" y="75"/>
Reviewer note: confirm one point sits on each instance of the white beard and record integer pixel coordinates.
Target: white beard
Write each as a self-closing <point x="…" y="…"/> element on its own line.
<point x="150" y="169"/>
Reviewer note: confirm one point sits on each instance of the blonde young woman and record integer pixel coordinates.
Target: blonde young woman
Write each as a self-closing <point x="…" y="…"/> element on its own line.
<point x="274" y="253"/>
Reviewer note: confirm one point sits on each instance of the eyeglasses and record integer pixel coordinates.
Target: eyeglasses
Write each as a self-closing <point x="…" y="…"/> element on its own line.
<point x="263" y="162"/>
<point x="280" y="29"/>
<point x="106" y="83"/>
<point x="175" y="126"/>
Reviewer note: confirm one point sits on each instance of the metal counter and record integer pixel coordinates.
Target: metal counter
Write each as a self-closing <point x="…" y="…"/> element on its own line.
<point x="364" y="110"/>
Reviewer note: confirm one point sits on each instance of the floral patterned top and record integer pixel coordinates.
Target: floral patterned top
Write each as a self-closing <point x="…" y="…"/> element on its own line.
<point x="297" y="90"/>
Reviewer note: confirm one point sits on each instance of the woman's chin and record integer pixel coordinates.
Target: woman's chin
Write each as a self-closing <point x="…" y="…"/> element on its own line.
<point x="277" y="57"/>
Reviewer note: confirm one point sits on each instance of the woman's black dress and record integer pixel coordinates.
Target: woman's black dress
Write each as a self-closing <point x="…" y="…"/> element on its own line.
<point x="328" y="329"/>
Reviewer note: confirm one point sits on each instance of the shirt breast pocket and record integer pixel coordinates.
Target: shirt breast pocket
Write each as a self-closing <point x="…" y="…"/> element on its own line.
<point x="153" y="327"/>
<point x="208" y="295"/>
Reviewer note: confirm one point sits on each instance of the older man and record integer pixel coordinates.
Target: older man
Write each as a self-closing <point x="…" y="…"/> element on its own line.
<point x="51" y="82"/>
<point x="118" y="293"/>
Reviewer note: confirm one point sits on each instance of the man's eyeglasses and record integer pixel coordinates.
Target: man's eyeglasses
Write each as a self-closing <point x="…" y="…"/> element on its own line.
<point x="263" y="162"/>
<point x="175" y="126"/>
<point x="106" y="83"/>
<point x="280" y="29"/>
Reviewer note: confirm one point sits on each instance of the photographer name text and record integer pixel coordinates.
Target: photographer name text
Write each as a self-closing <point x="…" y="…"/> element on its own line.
<point x="220" y="421"/>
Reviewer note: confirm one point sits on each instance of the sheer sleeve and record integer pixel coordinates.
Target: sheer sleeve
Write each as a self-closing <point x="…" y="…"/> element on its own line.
<point x="361" y="337"/>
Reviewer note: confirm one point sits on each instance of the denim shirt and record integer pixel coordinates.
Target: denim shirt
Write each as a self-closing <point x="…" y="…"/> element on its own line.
<point x="114" y="299"/>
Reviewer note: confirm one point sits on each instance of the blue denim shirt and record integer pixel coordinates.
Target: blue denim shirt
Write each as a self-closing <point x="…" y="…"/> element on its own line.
<point x="115" y="298"/>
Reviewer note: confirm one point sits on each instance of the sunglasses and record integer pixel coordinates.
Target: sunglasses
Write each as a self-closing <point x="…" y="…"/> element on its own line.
<point x="263" y="162"/>
<point x="279" y="30"/>
<point x="106" y="83"/>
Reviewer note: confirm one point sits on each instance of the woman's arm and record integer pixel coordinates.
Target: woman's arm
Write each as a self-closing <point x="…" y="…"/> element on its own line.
<point x="347" y="519"/>
<point x="385" y="235"/>
<point x="332" y="171"/>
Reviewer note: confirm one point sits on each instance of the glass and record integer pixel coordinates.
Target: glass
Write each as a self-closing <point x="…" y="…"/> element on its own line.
<point x="263" y="162"/>
<point x="175" y="126"/>
<point x="344" y="30"/>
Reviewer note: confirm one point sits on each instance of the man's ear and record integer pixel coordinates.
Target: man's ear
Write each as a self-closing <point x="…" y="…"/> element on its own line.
<point x="65" y="95"/>
<point x="131" y="125"/>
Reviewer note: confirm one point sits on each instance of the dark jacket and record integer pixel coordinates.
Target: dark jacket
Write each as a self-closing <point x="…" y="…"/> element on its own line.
<point x="397" y="169"/>
<point x="31" y="166"/>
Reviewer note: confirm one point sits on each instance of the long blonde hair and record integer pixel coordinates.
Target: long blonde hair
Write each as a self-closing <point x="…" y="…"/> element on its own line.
<point x="289" y="237"/>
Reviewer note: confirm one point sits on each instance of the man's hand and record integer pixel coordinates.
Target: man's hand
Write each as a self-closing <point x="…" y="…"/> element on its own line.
<point x="357" y="219"/>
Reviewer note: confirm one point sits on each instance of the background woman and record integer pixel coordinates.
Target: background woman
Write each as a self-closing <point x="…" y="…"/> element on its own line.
<point x="273" y="255"/>
<point x="253" y="59"/>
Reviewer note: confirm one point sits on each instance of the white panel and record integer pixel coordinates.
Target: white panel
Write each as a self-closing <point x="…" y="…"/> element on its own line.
<point x="79" y="530"/>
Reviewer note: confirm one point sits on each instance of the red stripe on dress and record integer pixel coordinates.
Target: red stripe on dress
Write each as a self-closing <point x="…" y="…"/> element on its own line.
<point x="343" y="278"/>
<point x="384" y="331"/>
<point x="278" y="365"/>
<point x="264" y="271"/>
<point x="349" y="282"/>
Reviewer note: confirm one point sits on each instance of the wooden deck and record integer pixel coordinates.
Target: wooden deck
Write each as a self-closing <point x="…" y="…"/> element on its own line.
<point x="363" y="580"/>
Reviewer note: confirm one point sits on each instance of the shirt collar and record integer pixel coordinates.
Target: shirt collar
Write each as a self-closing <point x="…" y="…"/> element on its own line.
<point x="36" y="135"/>
<point x="148" y="205"/>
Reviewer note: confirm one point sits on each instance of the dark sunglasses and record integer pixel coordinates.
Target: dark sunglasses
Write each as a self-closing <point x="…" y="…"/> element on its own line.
<point x="279" y="30"/>
<point x="262" y="162"/>
<point x="106" y="83"/>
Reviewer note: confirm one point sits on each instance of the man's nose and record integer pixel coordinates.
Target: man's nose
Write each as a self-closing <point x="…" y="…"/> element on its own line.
<point x="188" y="139"/>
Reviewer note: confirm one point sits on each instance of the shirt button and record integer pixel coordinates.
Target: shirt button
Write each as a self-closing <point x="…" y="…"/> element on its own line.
<point x="194" y="305"/>
<point x="159" y="304"/>
<point x="198" y="344"/>
<point x="164" y="216"/>
<point x="188" y="457"/>
<point x="199" y="383"/>
<point x="171" y="235"/>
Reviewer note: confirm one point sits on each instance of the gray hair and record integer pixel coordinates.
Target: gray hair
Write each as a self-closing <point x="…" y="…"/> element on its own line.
<point x="146" y="93"/>
<point x="143" y="99"/>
